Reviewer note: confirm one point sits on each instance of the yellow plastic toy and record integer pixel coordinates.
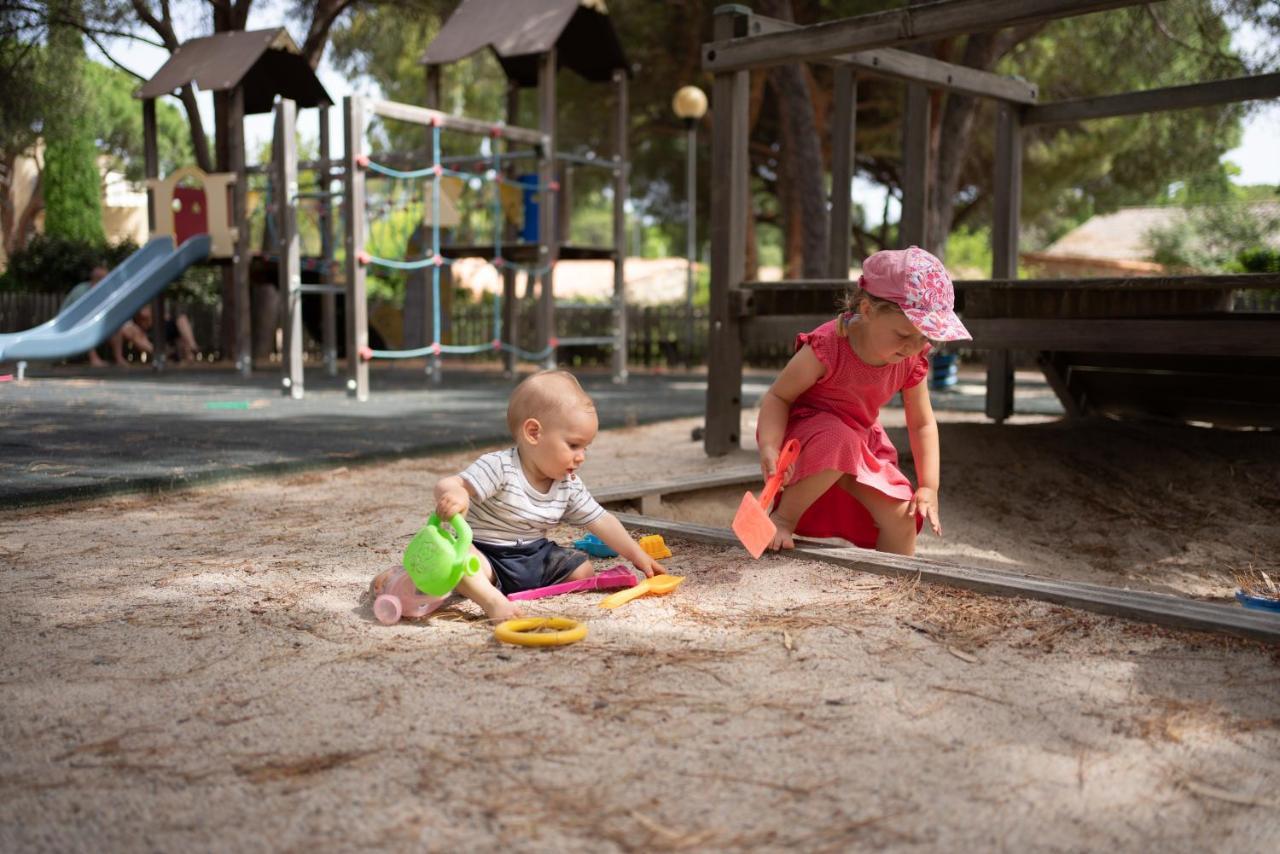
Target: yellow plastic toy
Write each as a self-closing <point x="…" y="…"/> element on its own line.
<point x="529" y="631"/>
<point x="655" y="547"/>
<point x="659" y="585"/>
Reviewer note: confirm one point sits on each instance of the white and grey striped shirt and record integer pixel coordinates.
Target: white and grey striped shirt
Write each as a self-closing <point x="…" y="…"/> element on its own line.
<point x="507" y="510"/>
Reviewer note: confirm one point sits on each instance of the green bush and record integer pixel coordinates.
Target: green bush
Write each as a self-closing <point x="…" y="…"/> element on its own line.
<point x="1260" y="260"/>
<point x="56" y="264"/>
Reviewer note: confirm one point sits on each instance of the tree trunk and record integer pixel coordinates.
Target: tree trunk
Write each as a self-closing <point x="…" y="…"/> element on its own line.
<point x="950" y="144"/>
<point x="806" y="215"/>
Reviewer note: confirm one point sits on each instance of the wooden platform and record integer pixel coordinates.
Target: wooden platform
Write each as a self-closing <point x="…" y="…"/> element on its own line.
<point x="1161" y="609"/>
<point x="1166" y="347"/>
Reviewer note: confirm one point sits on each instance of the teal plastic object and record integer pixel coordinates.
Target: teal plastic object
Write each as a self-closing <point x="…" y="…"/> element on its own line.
<point x="436" y="558"/>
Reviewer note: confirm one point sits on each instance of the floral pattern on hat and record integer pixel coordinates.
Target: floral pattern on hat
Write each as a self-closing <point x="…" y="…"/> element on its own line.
<point x="921" y="286"/>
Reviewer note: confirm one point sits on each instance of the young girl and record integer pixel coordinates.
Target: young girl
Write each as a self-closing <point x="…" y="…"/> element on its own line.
<point x="846" y="482"/>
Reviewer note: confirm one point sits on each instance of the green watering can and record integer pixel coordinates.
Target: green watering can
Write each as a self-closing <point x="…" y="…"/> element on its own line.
<point x="436" y="559"/>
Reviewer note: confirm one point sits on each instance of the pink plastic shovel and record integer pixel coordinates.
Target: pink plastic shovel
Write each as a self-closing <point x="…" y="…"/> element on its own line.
<point x="618" y="576"/>
<point x="752" y="523"/>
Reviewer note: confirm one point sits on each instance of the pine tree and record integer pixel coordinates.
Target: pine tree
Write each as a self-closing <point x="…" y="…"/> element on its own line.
<point x="72" y="186"/>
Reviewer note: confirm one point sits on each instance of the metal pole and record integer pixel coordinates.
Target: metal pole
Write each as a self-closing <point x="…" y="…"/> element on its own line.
<point x="691" y="243"/>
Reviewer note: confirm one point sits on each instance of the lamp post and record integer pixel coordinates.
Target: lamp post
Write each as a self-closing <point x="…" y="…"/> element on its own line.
<point x="690" y="105"/>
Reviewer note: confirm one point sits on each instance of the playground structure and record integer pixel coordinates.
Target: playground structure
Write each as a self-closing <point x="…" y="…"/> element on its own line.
<point x="1166" y="347"/>
<point x="245" y="70"/>
<point x="253" y="72"/>
<point x="557" y="33"/>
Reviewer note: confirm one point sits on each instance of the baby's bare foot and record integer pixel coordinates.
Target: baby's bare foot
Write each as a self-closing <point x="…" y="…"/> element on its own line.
<point x="782" y="537"/>
<point x="501" y="608"/>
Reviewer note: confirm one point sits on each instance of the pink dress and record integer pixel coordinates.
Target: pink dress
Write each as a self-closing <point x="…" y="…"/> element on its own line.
<point x="837" y="422"/>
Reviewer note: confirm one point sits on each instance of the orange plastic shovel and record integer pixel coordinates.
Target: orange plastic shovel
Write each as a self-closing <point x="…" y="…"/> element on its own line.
<point x="752" y="523"/>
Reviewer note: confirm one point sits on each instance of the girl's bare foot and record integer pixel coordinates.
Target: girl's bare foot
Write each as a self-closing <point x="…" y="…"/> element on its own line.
<point x="783" y="537"/>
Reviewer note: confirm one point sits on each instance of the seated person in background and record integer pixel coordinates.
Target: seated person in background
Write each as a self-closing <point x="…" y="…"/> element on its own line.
<point x="98" y="273"/>
<point x="179" y="339"/>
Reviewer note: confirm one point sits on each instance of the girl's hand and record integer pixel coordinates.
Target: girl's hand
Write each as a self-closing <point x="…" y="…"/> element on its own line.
<point x="769" y="464"/>
<point x="925" y="502"/>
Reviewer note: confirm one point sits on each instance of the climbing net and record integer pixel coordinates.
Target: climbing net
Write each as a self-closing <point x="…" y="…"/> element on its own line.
<point x="403" y="197"/>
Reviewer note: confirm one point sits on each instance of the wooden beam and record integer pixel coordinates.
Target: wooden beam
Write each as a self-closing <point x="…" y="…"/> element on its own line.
<point x="730" y="92"/>
<point x="1210" y="94"/>
<point x="1226" y="335"/>
<point x="913" y="226"/>
<point x="737" y="476"/>
<point x="425" y="116"/>
<point x="151" y="170"/>
<point x="621" y="185"/>
<point x="914" y="68"/>
<point x="548" y="202"/>
<point x="357" y="304"/>
<point x="1242" y="281"/>
<point x="510" y="304"/>
<point x="1004" y="248"/>
<point x="240" y="265"/>
<point x="843" y="124"/>
<point x="328" y="300"/>
<point x="289" y="267"/>
<point x="780" y="328"/>
<point x="1161" y="609"/>
<point x="889" y="28"/>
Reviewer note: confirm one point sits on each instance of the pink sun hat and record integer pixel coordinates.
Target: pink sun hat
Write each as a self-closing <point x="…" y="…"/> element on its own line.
<point x="921" y="287"/>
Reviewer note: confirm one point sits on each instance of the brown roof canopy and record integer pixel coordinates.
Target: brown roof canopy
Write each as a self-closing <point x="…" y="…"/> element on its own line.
<point x="266" y="62"/>
<point x="517" y="33"/>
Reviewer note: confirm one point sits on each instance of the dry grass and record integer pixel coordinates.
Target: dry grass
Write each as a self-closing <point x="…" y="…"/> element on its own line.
<point x="1256" y="582"/>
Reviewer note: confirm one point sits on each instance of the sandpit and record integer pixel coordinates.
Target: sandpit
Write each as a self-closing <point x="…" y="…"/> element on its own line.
<point x="201" y="670"/>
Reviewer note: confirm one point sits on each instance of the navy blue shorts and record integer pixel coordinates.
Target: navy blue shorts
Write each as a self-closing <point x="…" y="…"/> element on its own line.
<point x="537" y="563"/>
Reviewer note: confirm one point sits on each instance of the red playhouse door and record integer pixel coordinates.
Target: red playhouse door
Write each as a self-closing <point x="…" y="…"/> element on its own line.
<point x="190" y="213"/>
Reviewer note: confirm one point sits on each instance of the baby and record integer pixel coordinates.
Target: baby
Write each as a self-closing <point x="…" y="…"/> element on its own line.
<point x="512" y="498"/>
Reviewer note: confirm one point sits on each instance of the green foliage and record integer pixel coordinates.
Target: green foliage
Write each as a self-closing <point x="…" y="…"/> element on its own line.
<point x="72" y="185"/>
<point x="1260" y="260"/>
<point x="969" y="252"/>
<point x="1217" y="238"/>
<point x="1075" y="171"/>
<point x="54" y="263"/>
<point x="115" y="117"/>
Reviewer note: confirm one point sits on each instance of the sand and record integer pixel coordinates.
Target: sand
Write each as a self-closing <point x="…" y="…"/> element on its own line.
<point x="200" y="670"/>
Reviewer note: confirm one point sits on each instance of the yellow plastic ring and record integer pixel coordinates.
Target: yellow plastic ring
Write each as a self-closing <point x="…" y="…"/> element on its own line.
<point x="527" y="631"/>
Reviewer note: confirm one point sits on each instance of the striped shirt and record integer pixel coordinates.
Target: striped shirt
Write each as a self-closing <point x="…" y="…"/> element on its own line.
<point x="507" y="510"/>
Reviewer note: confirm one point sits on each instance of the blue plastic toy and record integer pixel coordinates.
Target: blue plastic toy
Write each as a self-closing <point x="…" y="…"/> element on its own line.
<point x="591" y="545"/>
<point x="1261" y="603"/>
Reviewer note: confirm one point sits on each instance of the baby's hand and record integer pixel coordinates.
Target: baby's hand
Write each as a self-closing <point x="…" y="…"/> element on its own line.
<point x="925" y="502"/>
<point x="452" y="503"/>
<point x="649" y="566"/>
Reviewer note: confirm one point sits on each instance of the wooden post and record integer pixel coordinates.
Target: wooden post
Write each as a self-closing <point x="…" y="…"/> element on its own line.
<point x="729" y="110"/>
<point x="913" y="230"/>
<point x="1004" y="247"/>
<point x="151" y="168"/>
<point x="843" y="124"/>
<point x="353" y="199"/>
<point x="549" y="248"/>
<point x="430" y="334"/>
<point x="621" y="182"/>
<point x="240" y="195"/>
<point x="289" y="265"/>
<point x="510" y="307"/>
<point x="328" y="301"/>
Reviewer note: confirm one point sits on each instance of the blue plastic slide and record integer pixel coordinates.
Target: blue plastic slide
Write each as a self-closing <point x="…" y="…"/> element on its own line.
<point x="96" y="315"/>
